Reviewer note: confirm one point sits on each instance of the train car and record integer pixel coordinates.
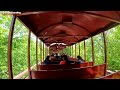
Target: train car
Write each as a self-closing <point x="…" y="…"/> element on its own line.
<point x="59" y="30"/>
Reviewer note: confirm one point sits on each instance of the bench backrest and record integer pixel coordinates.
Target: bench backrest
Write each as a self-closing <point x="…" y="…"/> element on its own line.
<point x="85" y="64"/>
<point x="72" y="59"/>
<point x="56" y="67"/>
<point x="69" y="66"/>
<point x="115" y="75"/>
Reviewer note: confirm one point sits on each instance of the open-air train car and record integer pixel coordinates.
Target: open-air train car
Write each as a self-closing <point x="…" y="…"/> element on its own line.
<point x="61" y="29"/>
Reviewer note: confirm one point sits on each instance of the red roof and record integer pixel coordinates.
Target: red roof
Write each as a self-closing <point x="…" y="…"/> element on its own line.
<point x="68" y="27"/>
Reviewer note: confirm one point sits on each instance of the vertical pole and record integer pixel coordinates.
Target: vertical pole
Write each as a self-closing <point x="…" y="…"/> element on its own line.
<point x="43" y="51"/>
<point x="92" y="43"/>
<point x="48" y="51"/>
<point x="79" y="48"/>
<point x="10" y="48"/>
<point x="29" y="35"/>
<point x="37" y="53"/>
<point x="84" y="51"/>
<point x="105" y="51"/>
<point x="70" y="51"/>
<point x="75" y="50"/>
<point x="40" y="51"/>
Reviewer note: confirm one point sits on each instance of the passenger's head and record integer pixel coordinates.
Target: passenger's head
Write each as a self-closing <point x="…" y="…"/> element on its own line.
<point x="48" y="57"/>
<point x="52" y="54"/>
<point x="79" y="57"/>
<point x="56" y="54"/>
<point x="65" y="57"/>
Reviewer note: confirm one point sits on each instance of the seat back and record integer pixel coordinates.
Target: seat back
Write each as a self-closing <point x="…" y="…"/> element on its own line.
<point x="72" y="59"/>
<point x="97" y="71"/>
<point x="66" y="66"/>
<point x="115" y="75"/>
<point x="57" y="67"/>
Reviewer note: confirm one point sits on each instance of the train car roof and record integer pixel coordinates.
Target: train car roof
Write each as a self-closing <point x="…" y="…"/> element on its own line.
<point x="68" y="27"/>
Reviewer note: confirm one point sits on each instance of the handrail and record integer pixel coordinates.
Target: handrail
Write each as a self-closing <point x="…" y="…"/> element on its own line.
<point x="19" y="76"/>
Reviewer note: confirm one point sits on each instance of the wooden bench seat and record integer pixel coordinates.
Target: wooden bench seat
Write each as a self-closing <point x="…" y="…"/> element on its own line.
<point x="75" y="73"/>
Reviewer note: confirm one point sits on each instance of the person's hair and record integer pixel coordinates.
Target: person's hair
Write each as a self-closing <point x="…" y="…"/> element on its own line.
<point x="47" y="58"/>
<point x="79" y="57"/>
<point x="66" y="59"/>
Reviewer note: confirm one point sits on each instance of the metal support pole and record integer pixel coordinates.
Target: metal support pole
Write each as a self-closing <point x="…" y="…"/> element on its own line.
<point x="92" y="43"/>
<point x="29" y="35"/>
<point x="79" y="48"/>
<point x="75" y="50"/>
<point x="37" y="53"/>
<point x="10" y="47"/>
<point x="84" y="51"/>
<point x="105" y="52"/>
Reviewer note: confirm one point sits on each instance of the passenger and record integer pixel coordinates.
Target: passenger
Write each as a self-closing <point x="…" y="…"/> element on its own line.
<point x="62" y="62"/>
<point x="56" y="56"/>
<point x="65" y="60"/>
<point x="79" y="59"/>
<point x="47" y="60"/>
<point x="52" y="54"/>
<point x="52" y="58"/>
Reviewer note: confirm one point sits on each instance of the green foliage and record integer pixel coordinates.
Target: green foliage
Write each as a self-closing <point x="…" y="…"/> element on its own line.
<point x="4" y="25"/>
<point x="113" y="48"/>
<point x="19" y="47"/>
<point x="98" y="49"/>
